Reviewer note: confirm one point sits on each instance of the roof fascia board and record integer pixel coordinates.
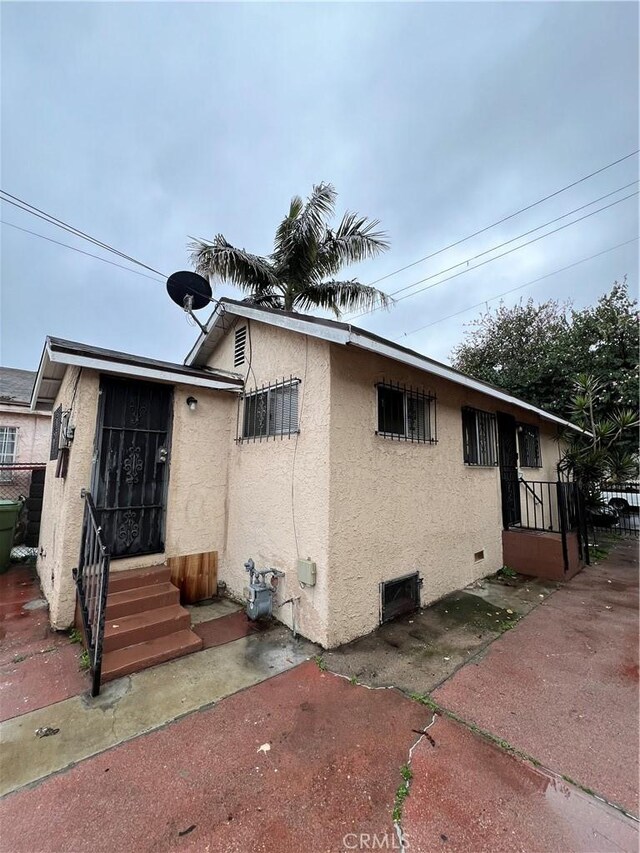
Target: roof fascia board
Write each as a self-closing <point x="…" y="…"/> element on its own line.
<point x="44" y="358"/>
<point x="143" y="372"/>
<point x="338" y="336"/>
<point x="452" y="376"/>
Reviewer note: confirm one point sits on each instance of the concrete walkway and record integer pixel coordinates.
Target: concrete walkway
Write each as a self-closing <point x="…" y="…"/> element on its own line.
<point x="247" y="746"/>
<point x="562" y="686"/>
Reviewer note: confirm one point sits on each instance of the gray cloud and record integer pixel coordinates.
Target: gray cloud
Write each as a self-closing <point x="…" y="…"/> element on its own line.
<point x="145" y="123"/>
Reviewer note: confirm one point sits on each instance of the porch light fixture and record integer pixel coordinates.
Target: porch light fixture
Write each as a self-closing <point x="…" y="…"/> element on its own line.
<point x="192" y="403"/>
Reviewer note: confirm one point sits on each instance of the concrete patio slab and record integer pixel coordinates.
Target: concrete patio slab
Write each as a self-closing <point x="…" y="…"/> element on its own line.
<point x="212" y="610"/>
<point x="562" y="686"/>
<point x="139" y="703"/>
<point x="468" y="795"/>
<point x="298" y="762"/>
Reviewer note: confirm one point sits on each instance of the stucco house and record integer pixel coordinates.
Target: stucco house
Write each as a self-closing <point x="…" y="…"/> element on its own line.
<point x="374" y="477"/>
<point x="24" y="432"/>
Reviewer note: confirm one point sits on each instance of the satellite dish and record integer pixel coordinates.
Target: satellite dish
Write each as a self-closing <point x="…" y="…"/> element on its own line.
<point x="189" y="290"/>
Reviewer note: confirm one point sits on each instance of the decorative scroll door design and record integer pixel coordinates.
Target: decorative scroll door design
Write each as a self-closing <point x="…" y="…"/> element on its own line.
<point x="131" y="469"/>
<point x="509" y="478"/>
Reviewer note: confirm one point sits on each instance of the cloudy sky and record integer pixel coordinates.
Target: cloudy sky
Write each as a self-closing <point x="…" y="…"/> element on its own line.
<point x="144" y="123"/>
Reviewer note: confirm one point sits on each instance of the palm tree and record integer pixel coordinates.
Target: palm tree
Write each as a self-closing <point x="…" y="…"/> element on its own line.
<point x="307" y="256"/>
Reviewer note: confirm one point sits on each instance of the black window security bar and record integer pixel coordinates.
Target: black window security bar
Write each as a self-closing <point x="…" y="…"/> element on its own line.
<point x="270" y="411"/>
<point x="240" y="343"/>
<point x="529" y="446"/>
<point x="92" y="583"/>
<point x="480" y="437"/>
<point x="406" y="413"/>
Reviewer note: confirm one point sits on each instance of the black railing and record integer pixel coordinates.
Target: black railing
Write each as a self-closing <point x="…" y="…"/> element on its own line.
<point x="554" y="506"/>
<point x="92" y="583"/>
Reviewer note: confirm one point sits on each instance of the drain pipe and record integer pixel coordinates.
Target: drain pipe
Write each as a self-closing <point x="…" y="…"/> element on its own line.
<point x="292" y="602"/>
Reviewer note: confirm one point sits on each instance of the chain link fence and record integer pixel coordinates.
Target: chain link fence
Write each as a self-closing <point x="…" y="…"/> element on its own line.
<point x="24" y="483"/>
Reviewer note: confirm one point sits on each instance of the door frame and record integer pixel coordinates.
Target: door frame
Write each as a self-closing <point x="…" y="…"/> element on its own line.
<point x="97" y="447"/>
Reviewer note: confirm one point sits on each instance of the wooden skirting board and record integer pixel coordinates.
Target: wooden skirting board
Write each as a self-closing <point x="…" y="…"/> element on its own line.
<point x="195" y="575"/>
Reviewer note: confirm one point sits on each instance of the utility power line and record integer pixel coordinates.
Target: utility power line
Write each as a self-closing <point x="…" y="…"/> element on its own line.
<point x="21" y="204"/>
<point x="81" y="251"/>
<point x="507" y="218"/>
<point x="497" y="257"/>
<point x="519" y="287"/>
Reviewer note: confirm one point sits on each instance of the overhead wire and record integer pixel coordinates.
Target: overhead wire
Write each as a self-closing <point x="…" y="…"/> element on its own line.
<point x="21" y="204"/>
<point x="76" y="249"/>
<point x="514" y="289"/>
<point x="490" y="260"/>
<point x="506" y="218"/>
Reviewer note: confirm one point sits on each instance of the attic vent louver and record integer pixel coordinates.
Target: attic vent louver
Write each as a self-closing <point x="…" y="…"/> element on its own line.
<point x="240" y="347"/>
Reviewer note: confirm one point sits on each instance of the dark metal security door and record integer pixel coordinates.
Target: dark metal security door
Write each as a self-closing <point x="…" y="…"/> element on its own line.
<point x="509" y="479"/>
<point x="131" y="469"/>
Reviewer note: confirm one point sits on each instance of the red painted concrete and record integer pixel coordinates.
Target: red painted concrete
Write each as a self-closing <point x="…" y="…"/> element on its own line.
<point x="225" y="629"/>
<point x="540" y="554"/>
<point x="332" y="769"/>
<point x="468" y="795"/>
<point x="563" y="684"/>
<point x="37" y="665"/>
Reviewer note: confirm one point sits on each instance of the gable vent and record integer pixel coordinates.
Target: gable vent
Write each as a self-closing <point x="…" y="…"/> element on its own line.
<point x="240" y="347"/>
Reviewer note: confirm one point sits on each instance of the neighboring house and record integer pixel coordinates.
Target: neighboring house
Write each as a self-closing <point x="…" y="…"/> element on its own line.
<point x="288" y="438"/>
<point x="24" y="433"/>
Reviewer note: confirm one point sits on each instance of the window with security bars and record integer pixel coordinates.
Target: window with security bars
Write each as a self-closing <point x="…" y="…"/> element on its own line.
<point x="8" y="444"/>
<point x="480" y="437"/>
<point x="529" y="446"/>
<point x="406" y="413"/>
<point x="270" y="411"/>
<point x="239" y="347"/>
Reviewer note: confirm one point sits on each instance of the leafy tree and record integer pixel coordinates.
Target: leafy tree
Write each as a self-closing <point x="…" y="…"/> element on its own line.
<point x="537" y="351"/>
<point x="301" y="272"/>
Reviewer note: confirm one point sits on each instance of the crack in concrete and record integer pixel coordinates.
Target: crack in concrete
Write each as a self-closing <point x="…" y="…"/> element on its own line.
<point x="402" y="840"/>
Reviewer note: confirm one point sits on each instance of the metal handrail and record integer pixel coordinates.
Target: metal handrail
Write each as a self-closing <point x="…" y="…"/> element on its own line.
<point x="529" y="489"/>
<point x="92" y="583"/>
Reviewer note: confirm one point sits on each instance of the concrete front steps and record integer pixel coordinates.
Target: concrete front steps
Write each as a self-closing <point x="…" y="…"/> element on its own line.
<point x="144" y="623"/>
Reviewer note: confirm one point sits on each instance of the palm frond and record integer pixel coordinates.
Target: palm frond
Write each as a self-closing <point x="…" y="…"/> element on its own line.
<point x="356" y="239"/>
<point x="339" y="296"/>
<point x="235" y="266"/>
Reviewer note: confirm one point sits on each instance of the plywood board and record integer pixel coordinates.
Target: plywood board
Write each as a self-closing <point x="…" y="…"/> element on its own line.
<point x="195" y="575"/>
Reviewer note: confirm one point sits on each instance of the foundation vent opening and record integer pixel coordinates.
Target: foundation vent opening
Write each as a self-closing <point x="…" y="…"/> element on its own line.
<point x="478" y="557"/>
<point x="240" y="346"/>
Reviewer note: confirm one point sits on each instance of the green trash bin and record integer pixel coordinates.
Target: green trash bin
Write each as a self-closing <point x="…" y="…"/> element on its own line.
<point x="9" y="512"/>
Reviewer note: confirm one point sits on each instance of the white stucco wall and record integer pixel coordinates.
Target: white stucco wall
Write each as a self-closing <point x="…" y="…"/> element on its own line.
<point x="196" y="496"/>
<point x="278" y="498"/>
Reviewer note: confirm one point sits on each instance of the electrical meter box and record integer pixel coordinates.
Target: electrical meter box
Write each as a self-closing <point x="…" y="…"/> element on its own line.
<point x="307" y="572"/>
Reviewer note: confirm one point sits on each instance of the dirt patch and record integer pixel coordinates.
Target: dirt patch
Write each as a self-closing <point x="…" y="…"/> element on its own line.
<point x="419" y="651"/>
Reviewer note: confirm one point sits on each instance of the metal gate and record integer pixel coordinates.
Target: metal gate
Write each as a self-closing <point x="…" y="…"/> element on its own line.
<point x="131" y="465"/>
<point x="508" y="459"/>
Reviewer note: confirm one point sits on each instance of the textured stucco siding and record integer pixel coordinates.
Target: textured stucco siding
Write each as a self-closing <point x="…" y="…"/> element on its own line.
<point x="398" y="507"/>
<point x="63" y="508"/>
<point x="33" y="433"/>
<point x="278" y="496"/>
<point x="196" y="506"/>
